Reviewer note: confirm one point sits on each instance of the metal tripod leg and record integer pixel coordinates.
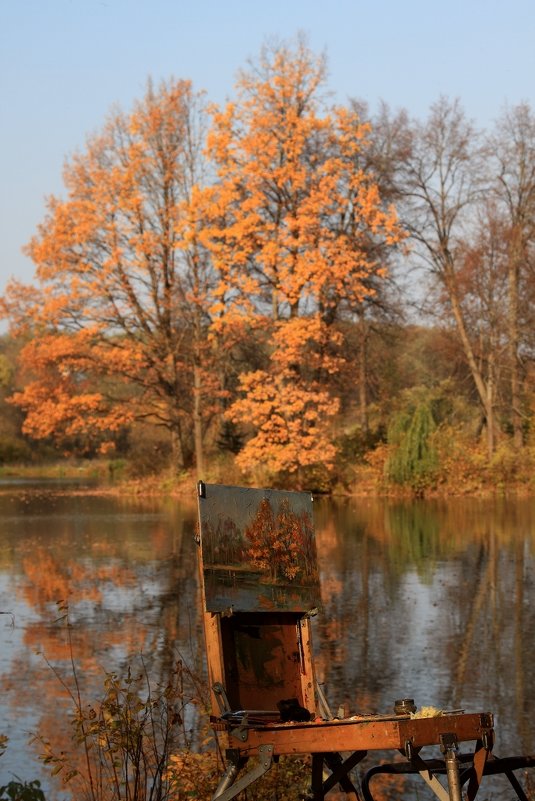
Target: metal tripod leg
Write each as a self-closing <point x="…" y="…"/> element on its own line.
<point x="230" y="785"/>
<point x="452" y="772"/>
<point x="449" y="748"/>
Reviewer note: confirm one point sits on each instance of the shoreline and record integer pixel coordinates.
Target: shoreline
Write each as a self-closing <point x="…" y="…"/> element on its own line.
<point x="186" y="489"/>
<point x="108" y="478"/>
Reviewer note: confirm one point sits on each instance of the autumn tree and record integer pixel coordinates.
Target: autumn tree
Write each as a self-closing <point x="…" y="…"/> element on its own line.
<point x="512" y="164"/>
<point x="291" y="220"/>
<point x="118" y="316"/>
<point x="380" y="157"/>
<point x="483" y="289"/>
<point x="440" y="185"/>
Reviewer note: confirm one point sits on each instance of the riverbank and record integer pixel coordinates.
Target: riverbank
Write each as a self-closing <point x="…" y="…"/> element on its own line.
<point x="461" y="472"/>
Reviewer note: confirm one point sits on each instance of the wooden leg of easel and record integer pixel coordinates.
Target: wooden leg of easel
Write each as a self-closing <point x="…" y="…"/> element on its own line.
<point x="339" y="774"/>
<point x="317" y="791"/>
<point x="480" y="760"/>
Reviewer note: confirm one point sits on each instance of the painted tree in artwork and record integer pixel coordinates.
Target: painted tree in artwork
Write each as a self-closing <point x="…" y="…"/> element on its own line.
<point x="293" y="219"/>
<point x="280" y="543"/>
<point x="118" y="317"/>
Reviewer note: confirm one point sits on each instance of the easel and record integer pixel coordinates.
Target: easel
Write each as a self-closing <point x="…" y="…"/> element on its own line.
<point x="260" y="587"/>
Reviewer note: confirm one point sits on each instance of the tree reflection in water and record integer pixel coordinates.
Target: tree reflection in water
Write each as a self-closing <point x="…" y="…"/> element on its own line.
<point x="430" y="600"/>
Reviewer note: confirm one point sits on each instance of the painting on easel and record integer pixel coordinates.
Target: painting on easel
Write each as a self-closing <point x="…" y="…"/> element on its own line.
<point x="258" y="550"/>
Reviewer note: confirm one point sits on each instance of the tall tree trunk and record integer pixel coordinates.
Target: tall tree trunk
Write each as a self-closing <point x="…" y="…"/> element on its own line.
<point x="197" y="421"/>
<point x="177" y="453"/>
<point x="491" y="434"/>
<point x="199" y="348"/>
<point x="484" y="390"/>
<point x="512" y="320"/>
<point x="363" y="373"/>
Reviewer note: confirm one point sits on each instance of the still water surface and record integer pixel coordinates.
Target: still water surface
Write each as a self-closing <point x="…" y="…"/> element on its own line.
<point x="429" y="600"/>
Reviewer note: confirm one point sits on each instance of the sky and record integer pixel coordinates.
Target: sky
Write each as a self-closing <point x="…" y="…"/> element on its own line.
<point x="64" y="64"/>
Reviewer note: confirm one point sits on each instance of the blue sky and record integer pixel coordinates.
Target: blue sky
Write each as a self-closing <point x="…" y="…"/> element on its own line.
<point x="65" y="63"/>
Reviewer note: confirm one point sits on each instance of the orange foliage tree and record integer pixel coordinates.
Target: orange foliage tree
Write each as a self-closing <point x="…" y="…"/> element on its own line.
<point x="282" y="543"/>
<point x="292" y="220"/>
<point x="118" y="320"/>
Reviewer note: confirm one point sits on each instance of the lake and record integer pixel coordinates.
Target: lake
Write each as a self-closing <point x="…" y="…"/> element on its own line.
<point x="428" y="600"/>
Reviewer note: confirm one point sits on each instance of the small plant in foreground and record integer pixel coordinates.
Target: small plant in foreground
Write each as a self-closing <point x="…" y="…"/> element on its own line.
<point x="122" y="744"/>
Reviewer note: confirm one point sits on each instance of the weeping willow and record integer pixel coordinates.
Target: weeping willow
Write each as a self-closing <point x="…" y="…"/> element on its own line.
<point x="414" y="460"/>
